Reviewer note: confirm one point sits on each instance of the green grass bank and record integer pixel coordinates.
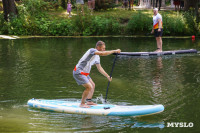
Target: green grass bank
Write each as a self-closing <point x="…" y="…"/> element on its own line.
<point x="40" y="20"/>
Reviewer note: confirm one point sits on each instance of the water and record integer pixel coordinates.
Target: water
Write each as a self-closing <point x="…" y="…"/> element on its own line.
<point x="42" y="68"/>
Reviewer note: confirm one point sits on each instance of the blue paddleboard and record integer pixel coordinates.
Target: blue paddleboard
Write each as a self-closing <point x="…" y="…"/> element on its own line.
<point x="100" y="109"/>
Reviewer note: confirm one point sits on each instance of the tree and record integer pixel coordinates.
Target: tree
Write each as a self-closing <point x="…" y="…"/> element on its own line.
<point x="10" y="9"/>
<point x="186" y="5"/>
<point x="63" y="4"/>
<point x="194" y="4"/>
<point x="103" y="4"/>
<point x="159" y="3"/>
<point x="197" y="11"/>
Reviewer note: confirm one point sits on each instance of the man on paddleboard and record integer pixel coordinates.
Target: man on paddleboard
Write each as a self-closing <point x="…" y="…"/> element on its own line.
<point x="157" y="29"/>
<point x="82" y="70"/>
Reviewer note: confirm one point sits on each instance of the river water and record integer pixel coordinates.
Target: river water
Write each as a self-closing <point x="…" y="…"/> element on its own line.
<point x="42" y="68"/>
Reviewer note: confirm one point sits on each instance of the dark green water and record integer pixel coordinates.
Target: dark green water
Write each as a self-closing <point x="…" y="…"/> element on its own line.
<point x="42" y="68"/>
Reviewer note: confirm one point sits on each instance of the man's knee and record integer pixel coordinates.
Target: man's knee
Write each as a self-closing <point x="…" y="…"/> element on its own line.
<point x="88" y="86"/>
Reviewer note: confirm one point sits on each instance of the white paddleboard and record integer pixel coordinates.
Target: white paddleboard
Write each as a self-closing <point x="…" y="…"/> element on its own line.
<point x="100" y="109"/>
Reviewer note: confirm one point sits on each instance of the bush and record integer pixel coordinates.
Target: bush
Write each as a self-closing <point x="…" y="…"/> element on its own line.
<point x="61" y="28"/>
<point x="105" y="26"/>
<point x="180" y="24"/>
<point x="17" y="27"/>
<point x="174" y="25"/>
<point x="139" y="23"/>
<point x="36" y="7"/>
<point x="94" y="25"/>
<point x="190" y="23"/>
<point x="105" y="4"/>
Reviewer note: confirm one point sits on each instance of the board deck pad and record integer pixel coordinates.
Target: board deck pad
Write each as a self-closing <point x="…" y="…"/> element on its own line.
<point x="100" y="109"/>
<point x="174" y="52"/>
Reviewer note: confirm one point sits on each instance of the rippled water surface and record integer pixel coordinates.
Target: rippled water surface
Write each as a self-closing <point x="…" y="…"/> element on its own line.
<point x="42" y="68"/>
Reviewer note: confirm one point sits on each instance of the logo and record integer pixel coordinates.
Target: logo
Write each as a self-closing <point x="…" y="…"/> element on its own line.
<point x="180" y="124"/>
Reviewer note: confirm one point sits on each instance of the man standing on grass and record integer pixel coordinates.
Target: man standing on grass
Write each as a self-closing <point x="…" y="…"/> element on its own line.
<point x="157" y="29"/>
<point x="82" y="70"/>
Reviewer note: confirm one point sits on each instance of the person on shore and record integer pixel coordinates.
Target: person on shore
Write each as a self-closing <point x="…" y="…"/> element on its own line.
<point x="125" y="4"/>
<point x="131" y="3"/>
<point x="91" y="5"/>
<point x="80" y="4"/>
<point x="82" y="70"/>
<point x="181" y="4"/>
<point x="177" y="4"/>
<point x="69" y="8"/>
<point x="157" y="29"/>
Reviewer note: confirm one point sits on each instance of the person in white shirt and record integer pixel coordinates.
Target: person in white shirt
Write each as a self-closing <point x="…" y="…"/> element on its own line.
<point x="157" y="29"/>
<point x="82" y="70"/>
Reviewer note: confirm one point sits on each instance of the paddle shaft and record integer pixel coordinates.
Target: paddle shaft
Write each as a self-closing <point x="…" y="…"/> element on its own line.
<point x="110" y="77"/>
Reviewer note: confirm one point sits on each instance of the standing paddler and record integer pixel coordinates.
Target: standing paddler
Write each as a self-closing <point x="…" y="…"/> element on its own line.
<point x="82" y="70"/>
<point x="157" y="29"/>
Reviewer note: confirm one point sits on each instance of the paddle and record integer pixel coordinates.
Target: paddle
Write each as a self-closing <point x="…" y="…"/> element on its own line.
<point x="110" y="77"/>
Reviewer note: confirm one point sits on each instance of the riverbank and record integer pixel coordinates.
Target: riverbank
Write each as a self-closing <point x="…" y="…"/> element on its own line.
<point x="111" y="22"/>
<point x="136" y="36"/>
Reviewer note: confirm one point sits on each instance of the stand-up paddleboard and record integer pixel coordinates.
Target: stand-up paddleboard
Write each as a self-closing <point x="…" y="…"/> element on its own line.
<point x="159" y="53"/>
<point x="100" y="109"/>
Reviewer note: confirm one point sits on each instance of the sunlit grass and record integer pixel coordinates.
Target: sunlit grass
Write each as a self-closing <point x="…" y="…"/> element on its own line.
<point x="117" y="13"/>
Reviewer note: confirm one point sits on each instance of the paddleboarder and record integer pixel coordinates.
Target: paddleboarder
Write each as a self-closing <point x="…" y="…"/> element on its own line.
<point x="82" y="70"/>
<point x="157" y="29"/>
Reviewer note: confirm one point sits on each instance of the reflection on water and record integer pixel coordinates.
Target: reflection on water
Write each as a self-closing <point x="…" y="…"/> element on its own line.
<point x="42" y="68"/>
<point x="157" y="78"/>
<point x="87" y="123"/>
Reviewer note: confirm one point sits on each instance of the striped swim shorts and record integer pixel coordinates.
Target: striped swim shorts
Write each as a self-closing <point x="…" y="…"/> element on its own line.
<point x="81" y="79"/>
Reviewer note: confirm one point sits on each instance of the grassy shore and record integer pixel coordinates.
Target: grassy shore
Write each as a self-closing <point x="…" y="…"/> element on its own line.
<point x="111" y="22"/>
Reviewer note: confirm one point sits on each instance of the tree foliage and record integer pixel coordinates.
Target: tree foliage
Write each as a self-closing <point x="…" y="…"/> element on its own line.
<point x="9" y="9"/>
<point x="104" y="4"/>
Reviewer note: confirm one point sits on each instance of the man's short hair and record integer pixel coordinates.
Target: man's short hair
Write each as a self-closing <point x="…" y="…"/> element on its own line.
<point x="99" y="44"/>
<point x="155" y="9"/>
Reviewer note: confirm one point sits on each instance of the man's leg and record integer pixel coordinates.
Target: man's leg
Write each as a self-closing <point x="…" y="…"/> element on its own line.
<point x="159" y="44"/>
<point x="91" y="93"/>
<point x="93" y="4"/>
<point x="89" y="4"/>
<point x="88" y="88"/>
